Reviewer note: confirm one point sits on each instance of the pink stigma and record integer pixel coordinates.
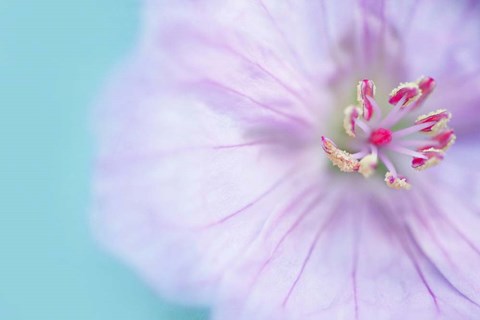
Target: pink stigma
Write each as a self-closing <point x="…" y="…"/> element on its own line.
<point x="381" y="137"/>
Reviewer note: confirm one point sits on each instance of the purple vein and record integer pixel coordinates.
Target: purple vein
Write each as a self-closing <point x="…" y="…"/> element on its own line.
<point x="309" y="255"/>
<point x="415" y="243"/>
<point x="258" y="103"/>
<point x="428" y="230"/>
<point x="452" y="226"/>
<point x="246" y="59"/>
<point x="400" y="236"/>
<point x="241" y="145"/>
<point x="273" y="187"/>
<point x="290" y="206"/>
<point x="420" y="273"/>
<point x="275" y="25"/>
<point x="356" y="244"/>
<point x="108" y="164"/>
<point x="412" y="258"/>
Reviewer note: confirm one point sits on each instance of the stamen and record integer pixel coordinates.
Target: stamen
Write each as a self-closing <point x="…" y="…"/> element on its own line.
<point x="409" y="90"/>
<point x="433" y="157"/>
<point x="342" y="159"/>
<point x="420" y="144"/>
<point x="362" y="125"/>
<point x="445" y="139"/>
<point x="368" y="165"/>
<point x="352" y="113"/>
<point x="412" y="129"/>
<point x="395" y="115"/>
<point x="442" y="141"/>
<point x="379" y="138"/>
<point x="377" y="112"/>
<point x="375" y="151"/>
<point x="386" y="161"/>
<point x="360" y="154"/>
<point x="397" y="183"/>
<point x="438" y="118"/>
<point x="407" y="152"/>
<point x="365" y="89"/>
<point x="426" y="85"/>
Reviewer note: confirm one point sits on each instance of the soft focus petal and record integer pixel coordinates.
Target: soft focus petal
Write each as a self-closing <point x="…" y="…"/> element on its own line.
<point x="331" y="261"/>
<point x="184" y="190"/>
<point x="446" y="226"/>
<point x="443" y="43"/>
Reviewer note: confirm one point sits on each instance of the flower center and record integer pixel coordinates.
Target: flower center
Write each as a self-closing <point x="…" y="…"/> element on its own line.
<point x="381" y="137"/>
<point x="378" y="142"/>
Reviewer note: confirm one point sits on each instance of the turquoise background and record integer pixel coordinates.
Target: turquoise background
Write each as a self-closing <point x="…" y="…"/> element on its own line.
<point x="54" y="57"/>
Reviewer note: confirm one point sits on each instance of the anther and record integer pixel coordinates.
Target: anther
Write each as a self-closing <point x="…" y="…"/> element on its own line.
<point x="352" y="114"/>
<point x="445" y="139"/>
<point x="410" y="91"/>
<point x="433" y="157"/>
<point x="426" y="85"/>
<point x="396" y="182"/>
<point x="365" y="89"/>
<point x="438" y="118"/>
<point x="342" y="159"/>
<point x="368" y="165"/>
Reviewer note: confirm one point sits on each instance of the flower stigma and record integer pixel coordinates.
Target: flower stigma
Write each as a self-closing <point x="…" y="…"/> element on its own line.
<point x="378" y="140"/>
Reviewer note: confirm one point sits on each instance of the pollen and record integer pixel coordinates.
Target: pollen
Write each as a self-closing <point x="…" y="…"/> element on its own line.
<point x="368" y="165"/>
<point x="378" y="139"/>
<point x="445" y="139"/>
<point x="342" y="159"/>
<point x="408" y="91"/>
<point x="352" y="113"/>
<point x="438" y="118"/>
<point x="395" y="182"/>
<point x="434" y="157"/>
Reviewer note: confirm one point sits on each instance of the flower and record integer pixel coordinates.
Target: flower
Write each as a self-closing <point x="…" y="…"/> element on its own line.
<point x="214" y="182"/>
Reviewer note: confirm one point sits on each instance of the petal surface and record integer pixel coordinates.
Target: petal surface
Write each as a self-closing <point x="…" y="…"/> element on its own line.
<point x="345" y="263"/>
<point x="182" y="190"/>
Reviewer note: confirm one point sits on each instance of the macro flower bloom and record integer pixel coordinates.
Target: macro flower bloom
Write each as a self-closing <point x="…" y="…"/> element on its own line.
<point x="216" y="143"/>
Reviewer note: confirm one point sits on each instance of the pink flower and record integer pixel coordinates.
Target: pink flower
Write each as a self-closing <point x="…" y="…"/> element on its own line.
<point x="214" y="176"/>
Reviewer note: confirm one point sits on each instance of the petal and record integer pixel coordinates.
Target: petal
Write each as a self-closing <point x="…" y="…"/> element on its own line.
<point x="195" y="145"/>
<point x="181" y="190"/>
<point x="452" y="56"/>
<point x="328" y="260"/>
<point x="446" y="226"/>
<point x="258" y="44"/>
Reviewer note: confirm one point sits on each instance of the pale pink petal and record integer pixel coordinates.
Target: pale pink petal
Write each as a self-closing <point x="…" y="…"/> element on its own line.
<point x="430" y="30"/>
<point x="347" y="258"/>
<point x="181" y="190"/>
<point x="446" y="226"/>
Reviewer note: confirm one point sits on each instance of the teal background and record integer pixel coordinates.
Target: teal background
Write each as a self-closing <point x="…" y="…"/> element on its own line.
<point x="54" y="57"/>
